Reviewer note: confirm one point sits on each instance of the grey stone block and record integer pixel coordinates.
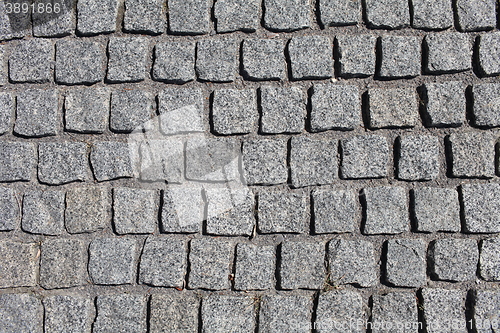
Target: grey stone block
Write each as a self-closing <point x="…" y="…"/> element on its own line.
<point x="62" y="162"/>
<point x="400" y="57"/>
<point x="437" y="209"/>
<point x="283" y="212"/>
<point x="181" y="110"/>
<point x="255" y="265"/>
<point x="233" y="15"/>
<point x="311" y="57"/>
<point x="68" y="314"/>
<point x="18" y="264"/>
<point x="87" y="110"/>
<point x="130" y="110"/>
<point x="397" y="309"/>
<point x="121" y="313"/>
<point x="334" y="211"/>
<point x="234" y="111"/>
<point x="444" y="310"/>
<point x="285" y="313"/>
<point x="364" y="156"/>
<point x="486" y="311"/>
<point x="302" y="265"/>
<point x="19" y="161"/>
<point x="189" y="17"/>
<point x="432" y="14"/>
<point x="13" y="25"/>
<point x="264" y="161"/>
<point x="313" y="161"/>
<point x="97" y="16"/>
<point x="406" y="262"/>
<point x="54" y="24"/>
<point x="445" y="104"/>
<point x="474" y="15"/>
<point x="32" y="61"/>
<point x="489" y="53"/>
<point x="135" y="211"/>
<point x="394" y="107"/>
<point x="174" y="62"/>
<point x="481" y="208"/>
<point x="209" y="260"/>
<point x="264" y="59"/>
<point x="356" y="55"/>
<point x="489" y="262"/>
<point x="79" y="62"/>
<point x="339" y="12"/>
<point x="287" y="15"/>
<point x="174" y="312"/>
<point x="217" y="60"/>
<point x="182" y="210"/>
<point x="386" y="210"/>
<point x="227" y="313"/>
<point x="21" y="313"/>
<point x="111" y="160"/>
<point x="473" y="154"/>
<point x="163" y="262"/>
<point x="336" y="107"/>
<point x="339" y="309"/>
<point x="112" y="261"/>
<point x="387" y="14"/>
<point x="145" y="16"/>
<point x="162" y="160"/>
<point x="419" y="157"/>
<point x="127" y="59"/>
<point x="63" y="263"/>
<point x="7" y="110"/>
<point x="37" y="113"/>
<point x="486" y="104"/>
<point x="43" y="212"/>
<point x="447" y="52"/>
<point x="283" y="109"/>
<point x="454" y="259"/>
<point x="86" y="210"/>
<point x="9" y="209"/>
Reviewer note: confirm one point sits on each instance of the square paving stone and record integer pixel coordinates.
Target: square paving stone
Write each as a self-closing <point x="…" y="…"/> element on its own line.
<point x="145" y="16"/>
<point x="364" y="156"/>
<point x="255" y="265"/>
<point x="63" y="263"/>
<point x="234" y="111"/>
<point x="406" y="262"/>
<point x="62" y="162"/>
<point x="445" y="104"/>
<point x="481" y="208"/>
<point x="283" y="109"/>
<point x="419" y="157"/>
<point x="233" y="15"/>
<point x="37" y="113"/>
<point x="181" y="110"/>
<point x="7" y="111"/>
<point x="339" y="309"/>
<point x="401" y="57"/>
<point x="454" y="259"/>
<point x="32" y="61"/>
<point x="283" y="212"/>
<point x="121" y="313"/>
<point x="19" y="161"/>
<point x="182" y="210"/>
<point x="97" y="16"/>
<point x="68" y="314"/>
<point x="397" y="309"/>
<point x="13" y="25"/>
<point x="87" y="110"/>
<point x="130" y="110"/>
<point x="437" y="209"/>
<point x="210" y="259"/>
<point x="217" y="60"/>
<point x="112" y="261"/>
<point x="486" y="108"/>
<point x="135" y="211"/>
<point x="21" y="313"/>
<point x="334" y="211"/>
<point x="489" y="53"/>
<point x="386" y="210"/>
<point x="302" y="265"/>
<point x="387" y="14"/>
<point x="174" y="62"/>
<point x="432" y="14"/>
<point x="18" y="264"/>
<point x="54" y="24"/>
<point x="264" y="59"/>
<point x="43" y="212"/>
<point x="489" y="262"/>
<point x="163" y="262"/>
<point x="486" y="311"/>
<point x="287" y="15"/>
<point x="174" y="312"/>
<point x="311" y="57"/>
<point x="127" y="59"/>
<point x="448" y="52"/>
<point x="339" y="12"/>
<point x="335" y="107"/>
<point x="264" y="161"/>
<point x="162" y="160"/>
<point x="393" y="108"/>
<point x="86" y="210"/>
<point x="285" y="313"/>
<point x="111" y="160"/>
<point x="313" y="161"/>
<point x="9" y="209"/>
<point x="79" y="62"/>
<point x="444" y="310"/>
<point x="189" y="17"/>
<point x="226" y="313"/>
<point x="473" y="154"/>
<point x="476" y="15"/>
<point x="356" y="55"/>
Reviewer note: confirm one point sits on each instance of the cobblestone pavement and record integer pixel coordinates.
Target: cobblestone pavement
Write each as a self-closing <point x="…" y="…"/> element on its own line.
<point x="249" y="166"/>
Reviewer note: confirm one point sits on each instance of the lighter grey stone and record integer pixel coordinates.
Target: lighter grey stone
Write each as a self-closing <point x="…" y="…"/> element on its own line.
<point x="486" y="311"/>
<point x="255" y="267"/>
<point x="145" y="16"/>
<point x="43" y="212"/>
<point x="135" y="211"/>
<point x="97" y="16"/>
<point x="37" y="113"/>
<point x="486" y="104"/>
<point x="473" y="154"/>
<point x="285" y="313"/>
<point x="283" y="109"/>
<point x="364" y="156"/>
<point x="489" y="262"/>
<point x="32" y="61"/>
<point x="334" y="211"/>
<point x="21" y="313"/>
<point x="227" y="313"/>
<point x="191" y="17"/>
<point x="234" y="111"/>
<point x="437" y="209"/>
<point x="489" y="53"/>
<point x="287" y="15"/>
<point x="130" y="110"/>
<point x="127" y="59"/>
<point x="419" y="157"/>
<point x="406" y="262"/>
<point x="10" y="207"/>
<point x="339" y="12"/>
<point x="387" y="14"/>
<point x="79" y="61"/>
<point x="19" y="161"/>
<point x="454" y="259"/>
<point x="302" y="265"/>
<point x="264" y="161"/>
<point x="386" y="210"/>
<point x="86" y="210"/>
<point x="476" y="15"/>
<point x="444" y="310"/>
<point x="448" y="52"/>
<point x="13" y="25"/>
<point x="264" y="59"/>
<point x="394" y="107"/>
<point x="209" y="260"/>
<point x="68" y="314"/>
<point x="112" y="261"/>
<point x="181" y="110"/>
<point x="432" y="14"/>
<point x="62" y="162"/>
<point x="401" y="56"/>
<point x="338" y="307"/>
<point x="356" y="55"/>
<point x="54" y="24"/>
<point x="174" y="62"/>
<point x="311" y="57"/>
<point x="217" y="60"/>
<point x="174" y="312"/>
<point x="162" y="160"/>
<point x="121" y="313"/>
<point x="481" y="207"/>
<point x="87" y="110"/>
<point x="18" y="264"/>
<point x="397" y="308"/>
<point x="283" y="212"/>
<point x="445" y="104"/>
<point x="233" y="15"/>
<point x="182" y="210"/>
<point x="111" y="160"/>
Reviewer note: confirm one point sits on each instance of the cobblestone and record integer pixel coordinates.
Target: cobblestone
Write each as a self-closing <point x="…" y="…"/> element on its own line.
<point x="43" y="212"/>
<point x="234" y="111"/>
<point x="112" y="261"/>
<point x="473" y="154"/>
<point x="181" y="110"/>
<point x="130" y="110"/>
<point x="419" y="157"/>
<point x="134" y="211"/>
<point x="436" y="209"/>
<point x="111" y="160"/>
<point x="432" y="15"/>
<point x="281" y="15"/>
<point x="264" y="161"/>
<point x="284" y="313"/>
<point x="225" y="313"/>
<point x="445" y="104"/>
<point x="189" y="17"/>
<point x="339" y="306"/>
<point x="87" y="110"/>
<point x="67" y="314"/>
<point x="489" y="262"/>
<point x="61" y="163"/>
<point x="162" y="160"/>
<point x="339" y="12"/>
<point x="281" y="212"/>
<point x="217" y="60"/>
<point x="454" y="259"/>
<point x="395" y="307"/>
<point x="182" y="210"/>
<point x="406" y="264"/>
<point x="302" y="265"/>
<point x="255" y="267"/>
<point x="174" y="313"/>
<point x="37" y="113"/>
<point x="234" y="15"/>
<point x="443" y="309"/>
<point x="486" y="104"/>
<point x="334" y="211"/>
<point x="489" y="50"/>
<point x="209" y="260"/>
<point x="386" y="210"/>
<point x="19" y="161"/>
<point x="283" y="110"/>
<point x="474" y="15"/>
<point x="54" y="24"/>
<point x="387" y="14"/>
<point x="364" y="156"/>
<point x="18" y="264"/>
<point x="486" y="310"/>
<point x="79" y="62"/>
<point x="9" y="209"/>
<point x="449" y="52"/>
<point x="86" y="210"/>
<point x="264" y="59"/>
<point x="392" y="108"/>
<point x="174" y="62"/>
<point x="145" y="16"/>
<point x="127" y="59"/>
<point x="356" y="55"/>
<point x="401" y="57"/>
<point x="97" y="17"/>
<point x="21" y="313"/>
<point x="480" y="208"/>
<point x="7" y="110"/>
<point x="32" y="61"/>
<point x="311" y="57"/>
<point x="121" y="313"/>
